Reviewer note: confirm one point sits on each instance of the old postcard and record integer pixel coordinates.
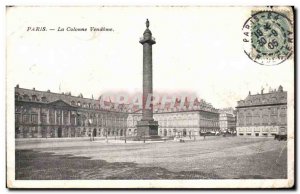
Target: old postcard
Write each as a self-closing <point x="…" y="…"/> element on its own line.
<point x="150" y="97"/>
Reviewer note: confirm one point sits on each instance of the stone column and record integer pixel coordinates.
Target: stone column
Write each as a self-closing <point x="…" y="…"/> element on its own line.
<point x="147" y="126"/>
<point x="62" y="117"/>
<point x="69" y="117"/>
<point x="48" y="117"/>
<point x="56" y="132"/>
<point x="97" y="120"/>
<point x="55" y="117"/>
<point x="39" y="128"/>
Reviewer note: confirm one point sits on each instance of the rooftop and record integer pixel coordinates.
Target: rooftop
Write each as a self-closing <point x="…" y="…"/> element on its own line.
<point x="273" y="97"/>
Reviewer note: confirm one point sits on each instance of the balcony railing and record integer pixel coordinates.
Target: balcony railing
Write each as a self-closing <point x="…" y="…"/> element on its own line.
<point x="147" y="38"/>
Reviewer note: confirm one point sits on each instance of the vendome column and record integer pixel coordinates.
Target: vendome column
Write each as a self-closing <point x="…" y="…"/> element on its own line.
<point x="147" y="127"/>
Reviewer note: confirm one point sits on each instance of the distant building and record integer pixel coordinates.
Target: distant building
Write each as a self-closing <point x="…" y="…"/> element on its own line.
<point x="184" y="123"/>
<point x="44" y="114"/>
<point x="263" y="114"/>
<point x="227" y="120"/>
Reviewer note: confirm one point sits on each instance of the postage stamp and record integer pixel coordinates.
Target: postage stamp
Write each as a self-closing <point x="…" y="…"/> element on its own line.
<point x="268" y="37"/>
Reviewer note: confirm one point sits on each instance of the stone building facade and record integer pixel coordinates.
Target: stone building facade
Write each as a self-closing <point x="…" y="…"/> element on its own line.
<point x="263" y="114"/>
<point x="227" y="120"/>
<point x="44" y="114"/>
<point x="182" y="123"/>
<point x="47" y="114"/>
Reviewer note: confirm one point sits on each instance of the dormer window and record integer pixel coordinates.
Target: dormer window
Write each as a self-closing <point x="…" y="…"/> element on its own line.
<point x="78" y="103"/>
<point x="26" y="97"/>
<point x="17" y="95"/>
<point x="34" y="98"/>
<point x="44" y="99"/>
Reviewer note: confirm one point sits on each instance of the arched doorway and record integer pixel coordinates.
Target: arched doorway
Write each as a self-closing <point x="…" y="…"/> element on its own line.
<point x="44" y="132"/>
<point x="165" y="132"/>
<point x="52" y="133"/>
<point x="121" y="132"/>
<point x="25" y="132"/>
<point x="59" y="132"/>
<point x="83" y="132"/>
<point x="104" y="132"/>
<point x="174" y="132"/>
<point x="18" y="132"/>
<point x="73" y="132"/>
<point x="184" y="133"/>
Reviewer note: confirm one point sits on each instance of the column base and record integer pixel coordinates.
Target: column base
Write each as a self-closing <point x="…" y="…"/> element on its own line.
<point x="147" y="129"/>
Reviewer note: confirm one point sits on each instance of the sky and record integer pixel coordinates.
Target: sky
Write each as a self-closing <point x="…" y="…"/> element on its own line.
<point x="198" y="50"/>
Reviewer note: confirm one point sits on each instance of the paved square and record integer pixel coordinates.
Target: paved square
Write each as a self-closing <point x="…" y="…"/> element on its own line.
<point x="212" y="158"/>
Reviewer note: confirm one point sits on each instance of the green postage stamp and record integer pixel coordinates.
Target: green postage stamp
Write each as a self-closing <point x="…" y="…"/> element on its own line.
<point x="268" y="37"/>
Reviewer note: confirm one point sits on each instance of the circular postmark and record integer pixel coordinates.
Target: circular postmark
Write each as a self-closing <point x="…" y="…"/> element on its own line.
<point x="268" y="38"/>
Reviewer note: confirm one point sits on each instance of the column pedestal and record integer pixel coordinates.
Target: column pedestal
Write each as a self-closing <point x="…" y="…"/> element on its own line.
<point x="147" y="130"/>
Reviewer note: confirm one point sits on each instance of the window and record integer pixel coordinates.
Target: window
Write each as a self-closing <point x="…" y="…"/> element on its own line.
<point x="265" y="116"/>
<point x="274" y="119"/>
<point x="26" y="118"/>
<point x="282" y="116"/>
<point x="26" y="97"/>
<point x="248" y="119"/>
<point x="66" y="117"/>
<point x="18" y="118"/>
<point x="18" y="130"/>
<point x="34" y="98"/>
<point x="52" y="117"/>
<point x="17" y="95"/>
<point x="44" y="99"/>
<point x="58" y="118"/>
<point x="256" y="118"/>
<point x="44" y="118"/>
<point x="73" y="119"/>
<point x="34" y="118"/>
<point x="241" y="119"/>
